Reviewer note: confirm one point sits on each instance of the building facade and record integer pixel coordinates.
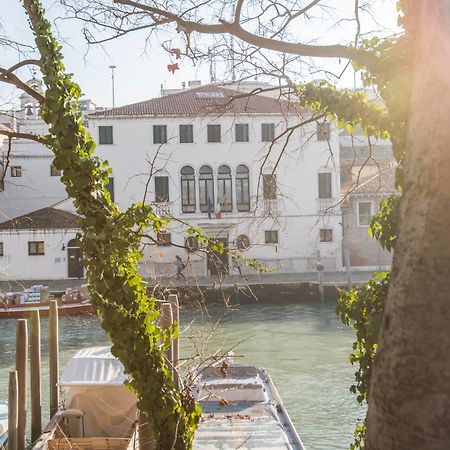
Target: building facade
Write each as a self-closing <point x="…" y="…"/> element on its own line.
<point x="237" y="166"/>
<point x="233" y="166"/>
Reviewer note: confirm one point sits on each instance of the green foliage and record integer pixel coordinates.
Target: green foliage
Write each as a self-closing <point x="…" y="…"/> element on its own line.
<point x="110" y="242"/>
<point x="384" y="225"/>
<point x="362" y="308"/>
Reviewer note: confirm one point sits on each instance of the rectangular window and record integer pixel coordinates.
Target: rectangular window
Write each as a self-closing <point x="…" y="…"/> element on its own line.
<point x="163" y="239"/>
<point x="325" y="185"/>
<point x="214" y="133"/>
<point x="110" y="187"/>
<point x="36" y="248"/>
<point x="270" y="187"/>
<point x="186" y="134"/>
<point x="191" y="244"/>
<point x="364" y="213"/>
<point x="267" y="132"/>
<point x="326" y="235"/>
<point x="161" y="189"/>
<point x="105" y="135"/>
<point x="160" y="134"/>
<point x="54" y="172"/>
<point x="271" y="237"/>
<point x="323" y="131"/>
<point x="1" y="249"/>
<point x="16" y="171"/>
<point x="241" y="130"/>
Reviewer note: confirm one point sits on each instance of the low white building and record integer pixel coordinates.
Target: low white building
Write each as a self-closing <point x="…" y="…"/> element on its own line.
<point x="232" y="165"/>
<point x="235" y="165"/>
<point x="40" y="245"/>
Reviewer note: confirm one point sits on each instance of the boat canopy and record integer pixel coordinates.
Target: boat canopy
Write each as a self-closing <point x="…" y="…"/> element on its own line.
<point x="93" y="366"/>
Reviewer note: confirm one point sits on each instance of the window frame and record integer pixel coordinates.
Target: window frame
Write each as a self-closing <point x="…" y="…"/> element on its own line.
<point x="16" y="171"/>
<point x="54" y="172"/>
<point x="188" y="240"/>
<point x="161" y="134"/>
<point x="39" y="248"/>
<point x="104" y="137"/>
<point x="187" y="184"/>
<point x="224" y="184"/>
<point x="163" y="239"/>
<point x="326" y="235"/>
<point x="206" y="183"/>
<point x="358" y="215"/>
<point x="271" y="237"/>
<point x="243" y="180"/>
<point x="159" y="198"/>
<point x="329" y="176"/>
<point x="269" y="187"/>
<point x="245" y="132"/>
<point x="209" y="135"/>
<point x="269" y="132"/>
<point x="243" y="242"/>
<point x="323" y="130"/>
<point x="189" y="134"/>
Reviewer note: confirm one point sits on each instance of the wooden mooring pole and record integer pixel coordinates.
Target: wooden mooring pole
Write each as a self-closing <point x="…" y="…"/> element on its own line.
<point x="13" y="404"/>
<point x="173" y="300"/>
<point x="21" y="367"/>
<point x="35" y="375"/>
<point x="166" y="320"/>
<point x="53" y="356"/>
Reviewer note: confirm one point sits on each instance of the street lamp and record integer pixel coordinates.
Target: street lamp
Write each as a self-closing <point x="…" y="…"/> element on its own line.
<point x="112" y="67"/>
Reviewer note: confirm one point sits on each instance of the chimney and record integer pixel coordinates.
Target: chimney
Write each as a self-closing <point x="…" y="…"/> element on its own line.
<point x="194" y="83"/>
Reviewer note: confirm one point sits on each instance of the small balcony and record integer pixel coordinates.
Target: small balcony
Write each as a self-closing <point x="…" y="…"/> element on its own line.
<point x="327" y="204"/>
<point x="162" y="209"/>
<point x="271" y="207"/>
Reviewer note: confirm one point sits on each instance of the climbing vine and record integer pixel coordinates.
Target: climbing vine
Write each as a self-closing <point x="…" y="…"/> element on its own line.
<point x="110" y="241"/>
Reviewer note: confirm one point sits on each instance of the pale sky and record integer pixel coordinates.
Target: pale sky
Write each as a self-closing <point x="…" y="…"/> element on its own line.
<point x="140" y="70"/>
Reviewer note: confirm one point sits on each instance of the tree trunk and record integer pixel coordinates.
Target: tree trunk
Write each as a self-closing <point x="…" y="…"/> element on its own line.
<point x="409" y="403"/>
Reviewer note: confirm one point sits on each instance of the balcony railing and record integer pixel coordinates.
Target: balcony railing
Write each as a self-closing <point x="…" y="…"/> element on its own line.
<point x="327" y="204"/>
<point x="271" y="207"/>
<point x="162" y="209"/>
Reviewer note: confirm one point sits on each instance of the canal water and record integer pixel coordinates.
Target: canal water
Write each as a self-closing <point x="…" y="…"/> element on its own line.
<point x="303" y="346"/>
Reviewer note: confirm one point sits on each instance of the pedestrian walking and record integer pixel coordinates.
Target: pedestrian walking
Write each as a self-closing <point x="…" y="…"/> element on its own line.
<point x="180" y="267"/>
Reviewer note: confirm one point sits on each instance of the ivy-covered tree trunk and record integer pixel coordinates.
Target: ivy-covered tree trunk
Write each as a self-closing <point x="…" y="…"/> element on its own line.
<point x="409" y="400"/>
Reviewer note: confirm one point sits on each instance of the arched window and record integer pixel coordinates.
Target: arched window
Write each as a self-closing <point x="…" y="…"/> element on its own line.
<point x="206" y="187"/>
<point x="224" y="189"/>
<point x="187" y="189"/>
<point x="242" y="189"/>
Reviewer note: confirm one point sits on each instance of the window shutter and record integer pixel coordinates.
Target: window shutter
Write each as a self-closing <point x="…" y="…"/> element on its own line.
<point x="110" y="187"/>
<point x="270" y="187"/>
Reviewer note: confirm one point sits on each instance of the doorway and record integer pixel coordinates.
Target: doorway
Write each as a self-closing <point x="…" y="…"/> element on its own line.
<point x="75" y="259"/>
<point x="217" y="263"/>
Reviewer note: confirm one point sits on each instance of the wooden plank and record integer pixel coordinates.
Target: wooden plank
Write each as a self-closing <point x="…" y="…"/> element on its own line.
<point x="173" y="300"/>
<point x="21" y="367"/>
<point x="166" y="320"/>
<point x="35" y="374"/>
<point x="54" y="356"/>
<point x="13" y="401"/>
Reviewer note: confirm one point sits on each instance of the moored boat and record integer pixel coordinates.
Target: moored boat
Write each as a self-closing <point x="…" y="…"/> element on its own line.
<point x="241" y="409"/>
<point x="17" y="311"/>
<point x="3" y="423"/>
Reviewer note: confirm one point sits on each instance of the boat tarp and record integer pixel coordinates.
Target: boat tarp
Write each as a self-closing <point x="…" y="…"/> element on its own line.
<point x="93" y="380"/>
<point x="93" y="366"/>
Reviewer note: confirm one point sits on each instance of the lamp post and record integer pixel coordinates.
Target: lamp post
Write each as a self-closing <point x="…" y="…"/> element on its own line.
<point x="112" y="67"/>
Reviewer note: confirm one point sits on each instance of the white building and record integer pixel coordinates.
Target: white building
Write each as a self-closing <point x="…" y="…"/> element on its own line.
<point x="209" y="149"/>
<point x="209" y="157"/>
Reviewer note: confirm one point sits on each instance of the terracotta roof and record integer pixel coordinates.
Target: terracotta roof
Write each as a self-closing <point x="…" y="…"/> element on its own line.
<point x="42" y="219"/>
<point x="209" y="99"/>
<point x="383" y="182"/>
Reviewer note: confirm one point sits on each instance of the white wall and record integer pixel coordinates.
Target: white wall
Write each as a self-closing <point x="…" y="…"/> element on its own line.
<point x="299" y="216"/>
<point x="16" y="264"/>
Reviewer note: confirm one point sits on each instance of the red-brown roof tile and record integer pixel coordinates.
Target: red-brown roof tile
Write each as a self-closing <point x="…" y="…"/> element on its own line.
<point x="43" y="219"/>
<point x="209" y="99"/>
